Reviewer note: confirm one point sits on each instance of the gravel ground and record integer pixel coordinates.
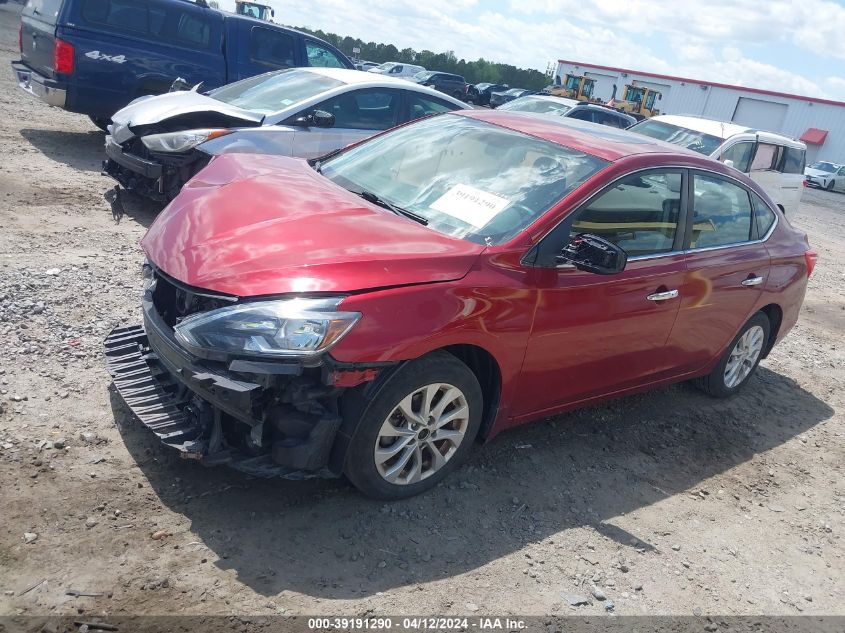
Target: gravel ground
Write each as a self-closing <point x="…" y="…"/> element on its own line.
<point x="665" y="503"/>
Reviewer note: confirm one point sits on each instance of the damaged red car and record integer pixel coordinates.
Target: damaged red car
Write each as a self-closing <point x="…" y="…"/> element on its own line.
<point x="377" y="312"/>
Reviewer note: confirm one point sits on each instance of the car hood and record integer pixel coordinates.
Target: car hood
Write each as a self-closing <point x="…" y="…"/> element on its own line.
<point x="175" y="111"/>
<point x="250" y="225"/>
<point x="817" y="172"/>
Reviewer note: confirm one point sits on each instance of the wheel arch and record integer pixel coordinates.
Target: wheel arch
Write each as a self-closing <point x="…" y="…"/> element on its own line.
<point x="486" y="369"/>
<point x="775" y="315"/>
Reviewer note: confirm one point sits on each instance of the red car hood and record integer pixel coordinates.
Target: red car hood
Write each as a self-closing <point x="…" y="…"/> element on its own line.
<point x="251" y="225"/>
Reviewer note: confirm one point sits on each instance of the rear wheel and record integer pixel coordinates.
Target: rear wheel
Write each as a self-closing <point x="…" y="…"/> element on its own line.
<point x="418" y="428"/>
<point x="740" y="360"/>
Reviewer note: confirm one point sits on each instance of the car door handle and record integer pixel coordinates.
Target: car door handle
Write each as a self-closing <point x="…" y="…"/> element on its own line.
<point x="752" y="281"/>
<point x="663" y="296"/>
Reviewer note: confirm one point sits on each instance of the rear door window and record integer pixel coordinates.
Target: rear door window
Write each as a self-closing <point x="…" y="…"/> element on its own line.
<point x="320" y="56"/>
<point x="423" y="105"/>
<point x="721" y="213"/>
<point x="763" y="215"/>
<point x="273" y="48"/>
<point x="766" y="157"/>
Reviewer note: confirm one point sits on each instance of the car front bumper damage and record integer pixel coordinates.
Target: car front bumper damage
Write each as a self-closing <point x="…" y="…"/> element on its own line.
<point x="153" y="176"/>
<point x="267" y="420"/>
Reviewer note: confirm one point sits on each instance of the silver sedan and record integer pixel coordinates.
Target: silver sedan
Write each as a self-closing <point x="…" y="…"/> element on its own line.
<point x="156" y="144"/>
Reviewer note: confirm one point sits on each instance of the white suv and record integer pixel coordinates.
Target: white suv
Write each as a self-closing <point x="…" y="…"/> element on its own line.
<point x="774" y="161"/>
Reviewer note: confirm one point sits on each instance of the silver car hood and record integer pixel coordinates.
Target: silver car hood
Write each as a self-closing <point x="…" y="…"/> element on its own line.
<point x="181" y="110"/>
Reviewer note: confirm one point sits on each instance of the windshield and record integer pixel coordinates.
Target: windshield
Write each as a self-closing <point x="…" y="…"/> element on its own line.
<point x="825" y="167"/>
<point x="387" y="65"/>
<point x="422" y="76"/>
<point x="536" y="104"/>
<point x="467" y="178"/>
<point x="272" y="92"/>
<point x="697" y="141"/>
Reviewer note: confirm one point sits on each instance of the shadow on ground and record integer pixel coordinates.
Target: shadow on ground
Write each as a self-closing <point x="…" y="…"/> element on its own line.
<point x="80" y="150"/>
<point x="585" y="468"/>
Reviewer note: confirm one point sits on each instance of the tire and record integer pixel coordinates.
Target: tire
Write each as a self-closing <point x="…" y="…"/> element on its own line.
<point x="719" y="383"/>
<point x="100" y="122"/>
<point x="446" y="377"/>
<point x="830" y="185"/>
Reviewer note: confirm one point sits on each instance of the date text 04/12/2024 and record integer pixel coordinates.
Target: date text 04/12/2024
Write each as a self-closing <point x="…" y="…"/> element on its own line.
<point x="417" y="623"/>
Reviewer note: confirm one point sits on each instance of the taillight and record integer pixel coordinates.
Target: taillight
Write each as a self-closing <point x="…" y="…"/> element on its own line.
<point x="20" y="38"/>
<point x="810" y="257"/>
<point x="63" y="57"/>
<point x="804" y="183"/>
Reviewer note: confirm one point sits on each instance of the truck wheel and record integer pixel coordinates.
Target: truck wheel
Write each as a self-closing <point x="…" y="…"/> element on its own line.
<point x="416" y="430"/>
<point x="739" y="361"/>
<point x="100" y="122"/>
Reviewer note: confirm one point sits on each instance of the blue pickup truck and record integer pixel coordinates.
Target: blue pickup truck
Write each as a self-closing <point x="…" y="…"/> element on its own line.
<point x="95" y="56"/>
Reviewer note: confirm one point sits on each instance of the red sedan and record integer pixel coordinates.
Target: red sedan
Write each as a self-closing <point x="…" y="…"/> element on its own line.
<point x="376" y="312"/>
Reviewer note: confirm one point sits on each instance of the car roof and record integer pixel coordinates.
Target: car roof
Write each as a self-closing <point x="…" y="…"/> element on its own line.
<point x="569" y="102"/>
<point x="719" y="129"/>
<point x="602" y="141"/>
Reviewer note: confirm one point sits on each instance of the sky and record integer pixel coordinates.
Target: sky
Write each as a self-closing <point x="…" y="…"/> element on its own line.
<point x="782" y="45"/>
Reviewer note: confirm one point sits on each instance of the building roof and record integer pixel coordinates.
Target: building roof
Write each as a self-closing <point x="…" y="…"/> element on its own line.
<point x="602" y="141"/>
<point x="760" y="91"/>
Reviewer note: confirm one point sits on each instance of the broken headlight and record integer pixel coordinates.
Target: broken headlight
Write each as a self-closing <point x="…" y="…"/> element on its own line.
<point x="290" y="327"/>
<point x="176" y="142"/>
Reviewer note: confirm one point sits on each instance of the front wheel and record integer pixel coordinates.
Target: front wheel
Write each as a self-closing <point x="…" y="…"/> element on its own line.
<point x="417" y="429"/>
<point x="740" y="360"/>
<point x="831" y="185"/>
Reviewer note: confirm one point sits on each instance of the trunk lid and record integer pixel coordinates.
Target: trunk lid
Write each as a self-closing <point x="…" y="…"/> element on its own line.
<point x="38" y="35"/>
<point x="251" y="225"/>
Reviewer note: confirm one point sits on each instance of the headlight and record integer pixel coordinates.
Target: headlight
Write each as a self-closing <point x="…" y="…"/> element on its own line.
<point x="292" y="327"/>
<point x="180" y="141"/>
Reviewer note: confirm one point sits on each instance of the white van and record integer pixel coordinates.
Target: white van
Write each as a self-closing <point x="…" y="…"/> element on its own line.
<point x="395" y="69"/>
<point x="774" y="161"/>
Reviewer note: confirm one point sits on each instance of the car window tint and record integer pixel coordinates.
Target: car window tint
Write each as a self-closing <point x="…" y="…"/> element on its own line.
<point x="321" y="56"/>
<point x="128" y="15"/>
<point x="582" y="115"/>
<point x="740" y="154"/>
<point x="721" y="213"/>
<point x="765" y="158"/>
<point x="364" y="109"/>
<point x="423" y="105"/>
<point x="639" y="214"/>
<point x="763" y="215"/>
<point x="275" y="48"/>
<point x="793" y="160"/>
<point x="193" y="31"/>
<point x="841" y="172"/>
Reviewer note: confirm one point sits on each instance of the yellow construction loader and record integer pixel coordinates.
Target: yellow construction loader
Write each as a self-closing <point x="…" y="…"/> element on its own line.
<point x="573" y="87"/>
<point x="638" y="101"/>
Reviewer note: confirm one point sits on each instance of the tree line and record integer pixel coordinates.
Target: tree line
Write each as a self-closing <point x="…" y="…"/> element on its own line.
<point x="479" y="71"/>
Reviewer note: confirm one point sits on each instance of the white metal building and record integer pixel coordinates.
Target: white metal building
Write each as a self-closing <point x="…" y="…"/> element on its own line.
<point x="820" y="123"/>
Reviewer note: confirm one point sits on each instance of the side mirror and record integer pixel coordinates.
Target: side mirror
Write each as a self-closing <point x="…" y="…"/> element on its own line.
<point x="729" y="162"/>
<point x="593" y="254"/>
<point x="318" y="118"/>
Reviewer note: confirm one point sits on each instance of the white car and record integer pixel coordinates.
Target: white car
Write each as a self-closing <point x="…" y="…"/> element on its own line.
<point x="774" y="161"/>
<point x="827" y="175"/>
<point x="157" y="143"/>
<point x="396" y="69"/>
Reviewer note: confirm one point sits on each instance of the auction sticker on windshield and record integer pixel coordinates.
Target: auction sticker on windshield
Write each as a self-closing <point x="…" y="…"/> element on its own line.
<point x="470" y="205"/>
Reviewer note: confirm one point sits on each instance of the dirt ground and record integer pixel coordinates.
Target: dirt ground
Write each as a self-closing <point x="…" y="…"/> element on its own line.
<point x="668" y="503"/>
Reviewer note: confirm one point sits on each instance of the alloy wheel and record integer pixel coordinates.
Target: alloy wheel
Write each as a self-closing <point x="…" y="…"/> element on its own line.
<point x="421" y="434"/>
<point x="744" y="356"/>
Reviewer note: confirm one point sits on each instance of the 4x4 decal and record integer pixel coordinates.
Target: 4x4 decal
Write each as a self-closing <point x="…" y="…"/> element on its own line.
<point x="117" y="59"/>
